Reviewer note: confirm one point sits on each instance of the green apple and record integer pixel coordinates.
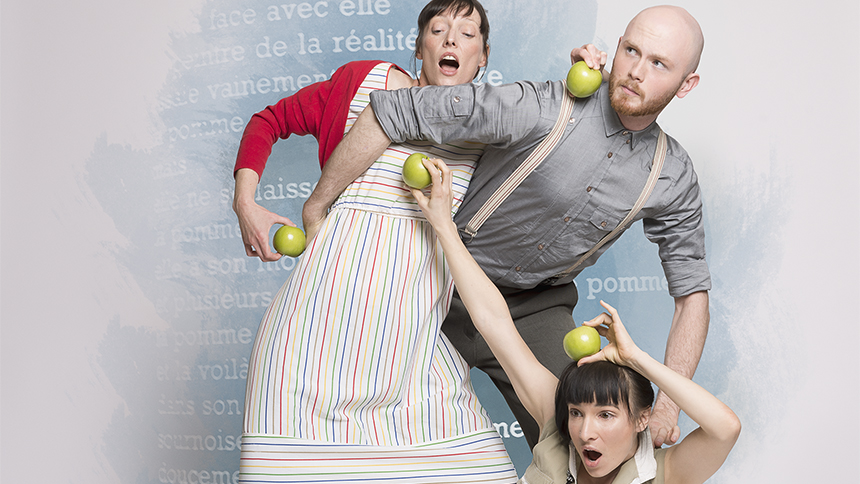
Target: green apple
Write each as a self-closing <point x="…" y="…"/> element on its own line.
<point x="581" y="342"/>
<point x="583" y="81"/>
<point x="289" y="241"/>
<point x="415" y="174"/>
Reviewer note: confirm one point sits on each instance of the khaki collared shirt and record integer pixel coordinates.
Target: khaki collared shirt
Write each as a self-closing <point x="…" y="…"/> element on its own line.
<point x="554" y="459"/>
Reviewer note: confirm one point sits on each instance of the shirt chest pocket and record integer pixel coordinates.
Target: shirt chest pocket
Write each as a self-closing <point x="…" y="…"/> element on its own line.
<point x="604" y="221"/>
<point x="582" y="234"/>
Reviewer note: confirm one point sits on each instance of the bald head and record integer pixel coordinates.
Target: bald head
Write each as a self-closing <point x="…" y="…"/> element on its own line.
<point x="655" y="61"/>
<point x="678" y="29"/>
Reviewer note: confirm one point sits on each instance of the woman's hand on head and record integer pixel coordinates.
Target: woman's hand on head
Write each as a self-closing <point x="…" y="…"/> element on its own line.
<point x="436" y="207"/>
<point x="621" y="349"/>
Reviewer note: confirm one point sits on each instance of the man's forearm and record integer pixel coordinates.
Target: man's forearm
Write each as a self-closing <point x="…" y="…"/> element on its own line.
<point x="688" y="333"/>
<point x="498" y="116"/>
<point x="364" y="143"/>
<point x="683" y="351"/>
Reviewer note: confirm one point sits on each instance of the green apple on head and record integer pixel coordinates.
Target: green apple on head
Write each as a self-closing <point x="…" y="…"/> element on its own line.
<point x="581" y="342"/>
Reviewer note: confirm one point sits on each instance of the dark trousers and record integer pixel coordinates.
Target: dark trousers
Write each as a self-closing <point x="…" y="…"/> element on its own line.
<point x="543" y="316"/>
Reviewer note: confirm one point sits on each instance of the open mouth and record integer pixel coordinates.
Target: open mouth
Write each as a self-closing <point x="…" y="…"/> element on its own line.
<point x="449" y="64"/>
<point x="591" y="456"/>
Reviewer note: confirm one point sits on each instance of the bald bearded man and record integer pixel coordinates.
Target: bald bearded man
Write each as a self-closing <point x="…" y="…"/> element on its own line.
<point x="576" y="196"/>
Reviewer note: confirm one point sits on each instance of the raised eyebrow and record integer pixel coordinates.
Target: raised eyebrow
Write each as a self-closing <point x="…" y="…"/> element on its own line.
<point x="653" y="57"/>
<point x="630" y="45"/>
<point x="661" y="59"/>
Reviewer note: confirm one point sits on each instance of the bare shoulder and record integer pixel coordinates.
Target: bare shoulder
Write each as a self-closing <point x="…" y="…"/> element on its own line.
<point x="398" y="79"/>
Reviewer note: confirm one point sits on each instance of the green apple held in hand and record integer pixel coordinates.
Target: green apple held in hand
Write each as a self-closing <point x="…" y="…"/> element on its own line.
<point x="415" y="174"/>
<point x="583" y="81"/>
<point x="289" y="241"/>
<point x="581" y="342"/>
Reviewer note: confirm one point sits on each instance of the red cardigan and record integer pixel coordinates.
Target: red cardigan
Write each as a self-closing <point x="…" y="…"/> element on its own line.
<point x="319" y="109"/>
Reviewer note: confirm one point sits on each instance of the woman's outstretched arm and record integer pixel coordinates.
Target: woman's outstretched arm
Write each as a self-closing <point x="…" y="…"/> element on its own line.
<point x="534" y="384"/>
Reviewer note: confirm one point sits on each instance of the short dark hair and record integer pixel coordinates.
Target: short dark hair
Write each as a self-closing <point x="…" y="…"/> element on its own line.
<point x="460" y="7"/>
<point x="603" y="383"/>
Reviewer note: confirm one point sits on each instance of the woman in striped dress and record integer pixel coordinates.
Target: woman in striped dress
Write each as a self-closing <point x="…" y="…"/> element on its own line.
<point x="350" y="378"/>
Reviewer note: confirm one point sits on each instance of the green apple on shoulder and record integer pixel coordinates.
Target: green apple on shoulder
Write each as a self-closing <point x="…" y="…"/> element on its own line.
<point x="583" y="81"/>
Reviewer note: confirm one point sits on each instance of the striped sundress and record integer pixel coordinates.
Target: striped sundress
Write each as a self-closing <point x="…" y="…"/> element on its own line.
<point x="350" y="377"/>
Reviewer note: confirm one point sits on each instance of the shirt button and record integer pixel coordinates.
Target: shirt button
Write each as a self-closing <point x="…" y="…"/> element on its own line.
<point x="609" y="155"/>
<point x="540" y="246"/>
<point x="567" y="219"/>
<point x="627" y="142"/>
<point x="456" y="99"/>
<point x="572" y="120"/>
<point x="589" y="189"/>
<point x="519" y="268"/>
<point x="603" y="224"/>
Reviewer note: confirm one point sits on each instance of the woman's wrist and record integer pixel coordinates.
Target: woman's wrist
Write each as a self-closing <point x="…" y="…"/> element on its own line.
<point x="446" y="228"/>
<point x="639" y="361"/>
<point x="245" y="188"/>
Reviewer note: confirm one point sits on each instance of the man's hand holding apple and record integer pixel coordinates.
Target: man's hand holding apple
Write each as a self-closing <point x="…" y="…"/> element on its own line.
<point x="591" y="55"/>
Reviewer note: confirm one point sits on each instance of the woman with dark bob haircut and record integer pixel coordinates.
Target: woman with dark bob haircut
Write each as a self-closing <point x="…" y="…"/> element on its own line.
<point x="604" y="383"/>
<point x="594" y="420"/>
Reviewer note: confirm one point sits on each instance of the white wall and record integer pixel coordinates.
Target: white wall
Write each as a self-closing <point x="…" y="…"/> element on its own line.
<point x="100" y="279"/>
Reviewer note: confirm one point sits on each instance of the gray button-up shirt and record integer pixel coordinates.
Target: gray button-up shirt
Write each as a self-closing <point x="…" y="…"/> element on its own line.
<point x="580" y="192"/>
